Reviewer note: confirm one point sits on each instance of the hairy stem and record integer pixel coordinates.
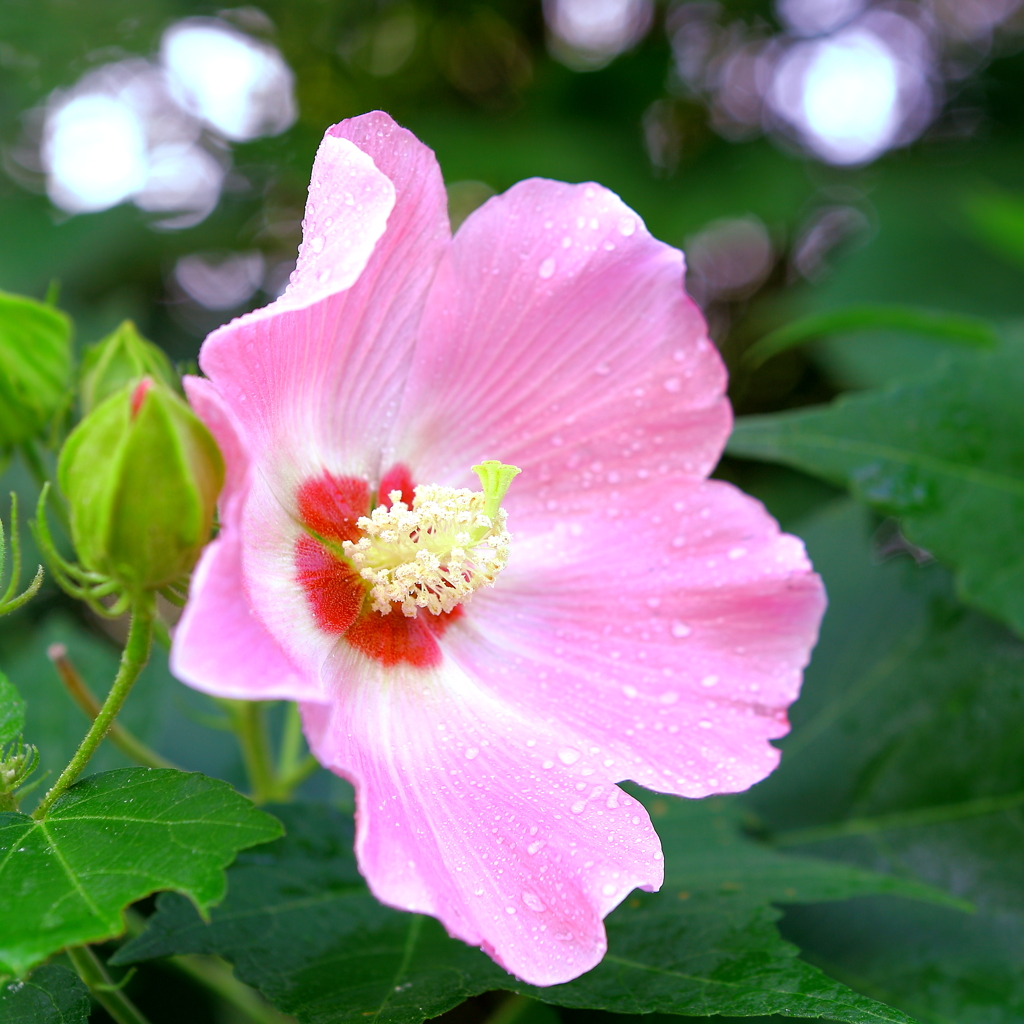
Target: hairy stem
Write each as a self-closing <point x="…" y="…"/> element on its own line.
<point x="133" y="659"/>
<point x="91" y="970"/>
<point x="125" y="741"/>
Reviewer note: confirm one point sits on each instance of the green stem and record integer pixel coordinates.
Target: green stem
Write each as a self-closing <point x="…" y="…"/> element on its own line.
<point x="216" y="975"/>
<point x="289" y="756"/>
<point x="901" y="819"/>
<point x="133" y="659"/>
<point x="510" y="1009"/>
<point x="249" y="724"/>
<point x="91" y="970"/>
<point x="125" y="741"/>
<point x="37" y="470"/>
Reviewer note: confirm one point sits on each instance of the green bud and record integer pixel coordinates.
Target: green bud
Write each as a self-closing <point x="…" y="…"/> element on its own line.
<point x="119" y="359"/>
<point x="141" y="474"/>
<point x="35" y="367"/>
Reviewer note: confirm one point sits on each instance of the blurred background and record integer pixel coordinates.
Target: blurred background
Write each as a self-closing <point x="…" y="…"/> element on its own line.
<point x="805" y="153"/>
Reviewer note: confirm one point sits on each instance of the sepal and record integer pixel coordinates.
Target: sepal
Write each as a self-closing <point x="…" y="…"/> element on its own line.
<point x="121" y="358"/>
<point x="141" y="474"/>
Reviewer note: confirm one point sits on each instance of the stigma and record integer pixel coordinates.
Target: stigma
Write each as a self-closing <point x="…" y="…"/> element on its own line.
<point x="438" y="550"/>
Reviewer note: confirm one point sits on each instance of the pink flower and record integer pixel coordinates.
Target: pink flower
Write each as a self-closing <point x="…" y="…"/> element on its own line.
<point x="650" y="624"/>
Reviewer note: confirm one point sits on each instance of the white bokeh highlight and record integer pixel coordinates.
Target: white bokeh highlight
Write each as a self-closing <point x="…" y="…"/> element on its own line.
<point x="855" y="93"/>
<point x="237" y="86"/>
<point x="156" y="133"/>
<point x="587" y="34"/>
<point x="95" y="151"/>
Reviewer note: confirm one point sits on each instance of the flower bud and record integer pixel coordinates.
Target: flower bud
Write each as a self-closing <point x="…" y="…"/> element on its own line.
<point x="121" y="358"/>
<point x="35" y="367"/>
<point x="141" y="474"/>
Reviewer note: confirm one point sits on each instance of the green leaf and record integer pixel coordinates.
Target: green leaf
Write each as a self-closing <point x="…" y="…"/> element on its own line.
<point x="299" y="924"/>
<point x="51" y="995"/>
<point x="905" y="756"/>
<point x="35" y="366"/>
<point x="110" y="840"/>
<point x="12" y="712"/>
<point x="954" y="327"/>
<point x="943" y="452"/>
<point x="998" y="219"/>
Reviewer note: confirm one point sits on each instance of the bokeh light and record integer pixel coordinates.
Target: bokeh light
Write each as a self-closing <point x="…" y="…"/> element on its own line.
<point x="237" y="86"/>
<point x="95" y="151"/>
<point x="156" y="133"/>
<point x="842" y="95"/>
<point x="587" y="34"/>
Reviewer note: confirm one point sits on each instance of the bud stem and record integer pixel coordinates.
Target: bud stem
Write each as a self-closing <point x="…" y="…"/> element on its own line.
<point x="125" y="741"/>
<point x="133" y="660"/>
<point x="91" y="970"/>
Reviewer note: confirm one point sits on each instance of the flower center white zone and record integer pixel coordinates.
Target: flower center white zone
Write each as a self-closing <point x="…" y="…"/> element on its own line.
<point x="436" y="553"/>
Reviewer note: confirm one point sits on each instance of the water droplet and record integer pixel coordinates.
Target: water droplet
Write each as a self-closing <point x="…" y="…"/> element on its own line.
<point x="680" y="630"/>
<point x="547" y="268"/>
<point x="535" y="847"/>
<point x="568" y="755"/>
<point x="533" y="902"/>
<point x="510" y="910"/>
<point x="709" y="681"/>
<point x="471" y="752"/>
<point x="627" y="225"/>
<point x="608" y="889"/>
<point x="672" y="384"/>
<point x="324" y="276"/>
<point x="579" y="807"/>
<point x="669" y="697"/>
<point x="737" y="552"/>
<point x="317" y="242"/>
<point x="704" y="723"/>
<point x="629" y="691"/>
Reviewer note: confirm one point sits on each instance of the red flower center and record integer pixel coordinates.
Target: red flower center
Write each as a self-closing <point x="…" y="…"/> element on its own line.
<point x="329" y="507"/>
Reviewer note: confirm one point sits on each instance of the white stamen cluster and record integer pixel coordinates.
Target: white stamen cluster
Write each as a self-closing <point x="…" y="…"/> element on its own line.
<point x="433" y="555"/>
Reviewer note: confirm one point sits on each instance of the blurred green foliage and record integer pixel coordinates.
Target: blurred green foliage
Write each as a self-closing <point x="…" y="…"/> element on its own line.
<point x="906" y="755"/>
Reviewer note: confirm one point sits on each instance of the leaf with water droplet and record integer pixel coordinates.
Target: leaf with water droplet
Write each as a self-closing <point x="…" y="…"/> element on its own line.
<point x="299" y="924"/>
<point x="943" y="452"/>
<point x="51" y="995"/>
<point x="110" y="840"/>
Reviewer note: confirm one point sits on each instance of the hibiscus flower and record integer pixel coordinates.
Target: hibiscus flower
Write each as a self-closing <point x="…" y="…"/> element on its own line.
<point x="649" y="624"/>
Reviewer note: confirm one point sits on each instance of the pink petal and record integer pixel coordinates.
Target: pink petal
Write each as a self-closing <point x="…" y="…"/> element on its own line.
<point x="220" y="645"/>
<point x="208" y="405"/>
<point x="672" y="632"/>
<point x="482" y="818"/>
<point x="314" y="378"/>
<point x="558" y="338"/>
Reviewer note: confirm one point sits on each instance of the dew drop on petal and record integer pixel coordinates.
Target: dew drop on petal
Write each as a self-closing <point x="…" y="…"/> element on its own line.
<point x="627" y="225"/>
<point x="317" y="242"/>
<point x="568" y="755"/>
<point x="547" y="268"/>
<point x="680" y="630"/>
<point x="471" y="752"/>
<point x="533" y="901"/>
